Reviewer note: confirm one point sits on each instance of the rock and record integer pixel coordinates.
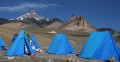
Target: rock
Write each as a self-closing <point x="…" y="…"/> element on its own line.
<point x="77" y="61"/>
<point x="70" y="59"/>
<point x="52" y="32"/>
<point x="50" y="60"/>
<point x="11" y="57"/>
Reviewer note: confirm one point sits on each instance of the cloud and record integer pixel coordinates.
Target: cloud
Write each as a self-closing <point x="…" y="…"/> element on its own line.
<point x="27" y="6"/>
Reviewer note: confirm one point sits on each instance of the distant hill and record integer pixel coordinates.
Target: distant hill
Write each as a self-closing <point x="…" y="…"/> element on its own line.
<point x="16" y="25"/>
<point x="4" y="21"/>
<point x="106" y="29"/>
<point x="41" y="23"/>
<point x="113" y="32"/>
<point x="54" y="23"/>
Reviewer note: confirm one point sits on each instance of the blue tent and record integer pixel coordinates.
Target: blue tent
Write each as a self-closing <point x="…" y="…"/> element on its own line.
<point x="101" y="46"/>
<point x="2" y="44"/>
<point x="18" y="46"/>
<point x="34" y="41"/>
<point x="60" y="45"/>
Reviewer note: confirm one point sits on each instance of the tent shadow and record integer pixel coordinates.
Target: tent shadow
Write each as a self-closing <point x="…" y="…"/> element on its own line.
<point x="77" y="54"/>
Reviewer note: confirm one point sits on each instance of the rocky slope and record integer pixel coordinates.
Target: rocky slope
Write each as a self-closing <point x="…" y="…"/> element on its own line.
<point x="76" y="23"/>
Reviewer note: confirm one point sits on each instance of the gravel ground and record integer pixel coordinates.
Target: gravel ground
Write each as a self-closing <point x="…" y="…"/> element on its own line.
<point x="44" y="57"/>
<point x="44" y="40"/>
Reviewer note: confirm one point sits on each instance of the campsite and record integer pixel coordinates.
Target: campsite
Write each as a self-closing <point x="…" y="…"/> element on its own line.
<point x="59" y="31"/>
<point x="76" y="39"/>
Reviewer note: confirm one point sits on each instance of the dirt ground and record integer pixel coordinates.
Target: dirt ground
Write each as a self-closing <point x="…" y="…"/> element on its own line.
<point x="44" y="57"/>
<point x="76" y="39"/>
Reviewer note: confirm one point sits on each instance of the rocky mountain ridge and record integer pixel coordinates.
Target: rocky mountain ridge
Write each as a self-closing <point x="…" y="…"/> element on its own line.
<point x="74" y="23"/>
<point x="78" y="23"/>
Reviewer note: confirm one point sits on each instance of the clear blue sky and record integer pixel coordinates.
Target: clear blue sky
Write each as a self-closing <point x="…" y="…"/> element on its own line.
<point x="99" y="13"/>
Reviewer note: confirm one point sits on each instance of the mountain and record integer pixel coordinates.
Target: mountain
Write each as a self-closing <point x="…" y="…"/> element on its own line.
<point x="31" y="14"/>
<point x="32" y="18"/>
<point x="76" y="23"/>
<point x="113" y="32"/>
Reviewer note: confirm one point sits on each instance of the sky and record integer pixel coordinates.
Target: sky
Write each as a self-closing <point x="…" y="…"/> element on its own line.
<point x="99" y="13"/>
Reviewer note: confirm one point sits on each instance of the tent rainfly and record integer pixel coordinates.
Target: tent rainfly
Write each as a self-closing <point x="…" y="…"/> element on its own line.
<point x="2" y="45"/>
<point x="33" y="43"/>
<point x="101" y="46"/>
<point x="60" y="45"/>
<point x="18" y="46"/>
